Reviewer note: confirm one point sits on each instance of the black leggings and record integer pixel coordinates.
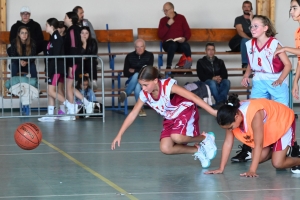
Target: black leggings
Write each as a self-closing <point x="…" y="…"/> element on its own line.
<point x="172" y="47"/>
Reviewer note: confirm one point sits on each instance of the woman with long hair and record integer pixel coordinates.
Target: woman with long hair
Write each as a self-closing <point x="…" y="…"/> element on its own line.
<point x="89" y="47"/>
<point x="55" y="71"/>
<point x="73" y="47"/>
<point x="23" y="45"/>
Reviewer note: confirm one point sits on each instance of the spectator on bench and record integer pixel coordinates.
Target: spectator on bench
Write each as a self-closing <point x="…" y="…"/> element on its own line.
<point x="34" y="28"/>
<point x="213" y="72"/>
<point x="84" y="22"/>
<point x="174" y="32"/>
<point x="89" y="47"/>
<point x="23" y="45"/>
<point x="134" y="62"/>
<point x="242" y="23"/>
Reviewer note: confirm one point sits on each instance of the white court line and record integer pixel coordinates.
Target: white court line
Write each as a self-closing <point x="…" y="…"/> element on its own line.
<point x="151" y="193"/>
<point x="214" y="191"/>
<point x="92" y="152"/>
<point x="63" y="195"/>
<point x="105" y="143"/>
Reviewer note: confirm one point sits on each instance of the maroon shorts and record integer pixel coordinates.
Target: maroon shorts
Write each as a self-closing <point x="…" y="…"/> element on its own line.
<point x="186" y="123"/>
<point x="287" y="139"/>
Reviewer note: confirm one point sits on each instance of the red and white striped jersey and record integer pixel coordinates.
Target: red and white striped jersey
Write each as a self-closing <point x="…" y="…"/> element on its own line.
<point x="163" y="105"/>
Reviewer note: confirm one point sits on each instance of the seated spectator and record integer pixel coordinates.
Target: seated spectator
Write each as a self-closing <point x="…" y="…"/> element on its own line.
<point x="242" y="23"/>
<point x="84" y="22"/>
<point x="134" y="62"/>
<point x="33" y="27"/>
<point x="213" y="72"/>
<point x="89" y="47"/>
<point x="83" y="86"/>
<point x="23" y="45"/>
<point x="174" y="32"/>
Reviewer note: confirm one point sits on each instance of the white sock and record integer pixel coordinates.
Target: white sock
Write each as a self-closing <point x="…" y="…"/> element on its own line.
<point x="85" y="102"/>
<point x="50" y="110"/>
<point x="62" y="108"/>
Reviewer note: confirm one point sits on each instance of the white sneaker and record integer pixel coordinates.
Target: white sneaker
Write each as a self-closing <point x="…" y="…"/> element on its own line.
<point x="142" y="113"/>
<point x="209" y="145"/>
<point x="201" y="155"/>
<point x="95" y="84"/>
<point x="89" y="108"/>
<point x="47" y="118"/>
<point x="67" y="118"/>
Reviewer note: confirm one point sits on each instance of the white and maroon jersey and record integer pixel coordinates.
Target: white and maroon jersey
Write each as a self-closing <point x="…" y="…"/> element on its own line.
<point x="169" y="109"/>
<point x="262" y="59"/>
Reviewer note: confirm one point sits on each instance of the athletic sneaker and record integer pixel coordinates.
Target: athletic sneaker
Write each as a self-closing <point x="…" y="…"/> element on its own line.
<point x="243" y="155"/>
<point x="70" y="118"/>
<point x="201" y="155"/>
<point x="142" y="113"/>
<point x="122" y="96"/>
<point x="60" y="112"/>
<point x="47" y="118"/>
<point x="95" y="85"/>
<point x="295" y="153"/>
<point x="89" y="108"/>
<point x="209" y="145"/>
<point x="67" y="118"/>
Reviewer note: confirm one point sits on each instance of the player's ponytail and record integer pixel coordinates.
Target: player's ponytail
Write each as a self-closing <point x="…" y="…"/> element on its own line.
<point x="148" y="73"/>
<point x="226" y="113"/>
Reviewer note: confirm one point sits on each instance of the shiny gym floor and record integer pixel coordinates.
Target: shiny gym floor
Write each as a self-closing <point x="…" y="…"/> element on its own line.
<point x="75" y="162"/>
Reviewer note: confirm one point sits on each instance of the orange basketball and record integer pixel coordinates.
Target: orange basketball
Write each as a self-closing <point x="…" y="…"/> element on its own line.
<point x="28" y="136"/>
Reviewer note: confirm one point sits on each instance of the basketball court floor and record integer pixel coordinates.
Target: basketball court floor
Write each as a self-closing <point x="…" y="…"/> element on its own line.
<point x="75" y="162"/>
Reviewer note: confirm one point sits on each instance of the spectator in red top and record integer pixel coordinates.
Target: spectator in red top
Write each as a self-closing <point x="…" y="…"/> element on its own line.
<point x="174" y="32"/>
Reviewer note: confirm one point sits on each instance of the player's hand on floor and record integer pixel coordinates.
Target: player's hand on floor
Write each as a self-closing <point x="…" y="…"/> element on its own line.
<point x="116" y="140"/>
<point x="217" y="171"/>
<point x="249" y="174"/>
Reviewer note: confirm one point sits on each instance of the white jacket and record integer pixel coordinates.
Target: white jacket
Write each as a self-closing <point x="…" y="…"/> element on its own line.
<point x="25" y="91"/>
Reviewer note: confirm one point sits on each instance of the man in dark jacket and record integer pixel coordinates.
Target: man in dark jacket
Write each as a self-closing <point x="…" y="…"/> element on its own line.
<point x="213" y="72"/>
<point x="134" y="62"/>
<point x="35" y="29"/>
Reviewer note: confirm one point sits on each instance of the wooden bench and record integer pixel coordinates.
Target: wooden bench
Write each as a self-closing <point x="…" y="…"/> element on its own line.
<point x="197" y="35"/>
<point x="148" y="34"/>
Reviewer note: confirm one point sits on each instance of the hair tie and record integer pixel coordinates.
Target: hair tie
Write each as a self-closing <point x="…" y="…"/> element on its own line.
<point x="230" y="104"/>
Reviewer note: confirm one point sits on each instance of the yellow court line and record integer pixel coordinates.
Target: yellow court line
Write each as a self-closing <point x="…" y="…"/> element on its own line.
<point x="108" y="182"/>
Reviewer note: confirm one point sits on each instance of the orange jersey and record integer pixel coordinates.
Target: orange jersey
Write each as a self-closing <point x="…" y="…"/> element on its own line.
<point x="297" y="41"/>
<point x="278" y="119"/>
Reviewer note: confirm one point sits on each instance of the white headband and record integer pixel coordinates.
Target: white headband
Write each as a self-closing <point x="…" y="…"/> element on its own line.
<point x="230" y="104"/>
